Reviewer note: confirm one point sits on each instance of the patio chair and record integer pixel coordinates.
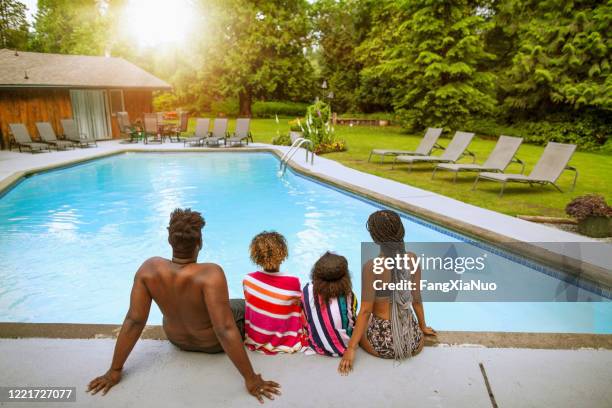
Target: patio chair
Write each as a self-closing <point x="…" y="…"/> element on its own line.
<point x="126" y="129"/>
<point x="219" y="132"/>
<point x="427" y="145"/>
<point x="547" y="170"/>
<point x="22" y="138"/>
<point x="151" y="128"/>
<point x="201" y="132"/>
<point x="456" y="149"/>
<point x="242" y="132"/>
<point x="47" y="135"/>
<point x="72" y="134"/>
<point x="181" y="126"/>
<point x="502" y="155"/>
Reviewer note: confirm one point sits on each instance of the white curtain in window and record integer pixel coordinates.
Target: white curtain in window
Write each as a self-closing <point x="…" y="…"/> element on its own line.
<point x="89" y="110"/>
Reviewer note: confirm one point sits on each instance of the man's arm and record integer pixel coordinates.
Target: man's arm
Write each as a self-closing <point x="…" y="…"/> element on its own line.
<point x="217" y="302"/>
<point x="134" y="323"/>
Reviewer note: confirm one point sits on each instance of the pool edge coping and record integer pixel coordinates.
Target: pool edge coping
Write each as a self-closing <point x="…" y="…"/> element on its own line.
<point x="578" y="268"/>
<point x="524" y="340"/>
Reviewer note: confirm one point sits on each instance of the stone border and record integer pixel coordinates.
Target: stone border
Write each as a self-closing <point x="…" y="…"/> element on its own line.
<point x="556" y="341"/>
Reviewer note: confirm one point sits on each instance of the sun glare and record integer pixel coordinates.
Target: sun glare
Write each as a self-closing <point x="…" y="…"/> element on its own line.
<point x="157" y="22"/>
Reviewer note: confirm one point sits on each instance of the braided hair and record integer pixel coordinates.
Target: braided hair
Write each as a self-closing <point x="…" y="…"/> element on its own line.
<point x="386" y="229"/>
<point x="185" y="232"/>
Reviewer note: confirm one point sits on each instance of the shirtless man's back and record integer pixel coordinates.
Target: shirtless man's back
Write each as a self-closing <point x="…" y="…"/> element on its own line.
<point x="194" y="301"/>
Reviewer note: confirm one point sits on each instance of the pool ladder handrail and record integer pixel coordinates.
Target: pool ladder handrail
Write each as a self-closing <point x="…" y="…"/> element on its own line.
<point x="293" y="149"/>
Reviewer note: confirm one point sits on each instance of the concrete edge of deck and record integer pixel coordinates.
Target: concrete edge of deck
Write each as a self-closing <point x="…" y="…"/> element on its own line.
<point x="577" y="267"/>
<point x="552" y="341"/>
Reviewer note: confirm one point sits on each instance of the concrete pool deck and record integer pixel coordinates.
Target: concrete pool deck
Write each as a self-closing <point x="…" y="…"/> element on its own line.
<point x="590" y="257"/>
<point x="159" y="375"/>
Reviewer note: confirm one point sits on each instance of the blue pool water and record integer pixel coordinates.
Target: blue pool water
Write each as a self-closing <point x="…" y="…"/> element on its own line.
<point x="71" y="239"/>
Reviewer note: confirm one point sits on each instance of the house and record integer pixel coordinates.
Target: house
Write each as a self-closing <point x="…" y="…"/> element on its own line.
<point x="39" y="87"/>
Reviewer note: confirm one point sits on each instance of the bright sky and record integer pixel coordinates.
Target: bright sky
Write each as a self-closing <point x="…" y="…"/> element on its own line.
<point x="150" y="22"/>
<point x="31" y="5"/>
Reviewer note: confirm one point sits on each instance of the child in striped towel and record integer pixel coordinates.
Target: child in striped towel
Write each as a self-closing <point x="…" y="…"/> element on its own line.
<point x="273" y="320"/>
<point x="329" y="306"/>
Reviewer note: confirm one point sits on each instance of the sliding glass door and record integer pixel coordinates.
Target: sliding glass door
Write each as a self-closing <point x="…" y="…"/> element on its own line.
<point x="90" y="112"/>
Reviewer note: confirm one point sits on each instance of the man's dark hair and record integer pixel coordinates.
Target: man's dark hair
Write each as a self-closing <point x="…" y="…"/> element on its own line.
<point x="185" y="232"/>
<point x="330" y="277"/>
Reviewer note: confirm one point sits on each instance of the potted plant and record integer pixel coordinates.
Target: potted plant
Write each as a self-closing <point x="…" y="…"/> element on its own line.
<point x="593" y="214"/>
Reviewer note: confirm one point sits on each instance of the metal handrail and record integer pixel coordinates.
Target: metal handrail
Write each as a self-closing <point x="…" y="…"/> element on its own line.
<point x="292" y="150"/>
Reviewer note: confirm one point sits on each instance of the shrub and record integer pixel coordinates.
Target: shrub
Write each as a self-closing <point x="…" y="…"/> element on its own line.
<point x="282" y="140"/>
<point x="317" y="128"/>
<point x="588" y="205"/>
<point x="588" y="131"/>
<point x="389" y="116"/>
<point x="337" y="146"/>
<point x="227" y="107"/>
<point x="269" y="109"/>
<point x="165" y="101"/>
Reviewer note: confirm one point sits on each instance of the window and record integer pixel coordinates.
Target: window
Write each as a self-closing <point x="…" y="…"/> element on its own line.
<point x="116" y="101"/>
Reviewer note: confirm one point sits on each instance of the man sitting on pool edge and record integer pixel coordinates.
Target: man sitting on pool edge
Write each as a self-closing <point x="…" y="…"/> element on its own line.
<point x="193" y="298"/>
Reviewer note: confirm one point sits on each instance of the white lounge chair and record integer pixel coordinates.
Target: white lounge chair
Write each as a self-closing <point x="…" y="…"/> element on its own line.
<point x="47" y="135"/>
<point x="219" y="132"/>
<point x="547" y="170"/>
<point x="22" y="138"/>
<point x="502" y="155"/>
<point x="242" y="132"/>
<point x="201" y="132"/>
<point x="72" y="134"/>
<point x="456" y="149"/>
<point x="427" y="145"/>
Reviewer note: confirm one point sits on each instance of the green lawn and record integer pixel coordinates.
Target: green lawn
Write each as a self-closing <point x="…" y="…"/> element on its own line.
<point x="595" y="170"/>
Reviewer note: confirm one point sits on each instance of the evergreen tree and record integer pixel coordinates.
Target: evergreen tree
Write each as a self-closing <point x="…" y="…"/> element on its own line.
<point x="563" y="56"/>
<point x="432" y="56"/>
<point x="339" y="28"/>
<point x="14" y="31"/>
<point x="70" y="27"/>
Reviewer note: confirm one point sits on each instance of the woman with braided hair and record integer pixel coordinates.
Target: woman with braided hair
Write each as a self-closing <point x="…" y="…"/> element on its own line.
<point x="386" y="326"/>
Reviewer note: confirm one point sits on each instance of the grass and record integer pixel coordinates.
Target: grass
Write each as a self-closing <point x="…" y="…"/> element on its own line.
<point x="595" y="169"/>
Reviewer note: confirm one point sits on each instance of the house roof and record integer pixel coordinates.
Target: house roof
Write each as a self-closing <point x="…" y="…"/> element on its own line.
<point x="36" y="70"/>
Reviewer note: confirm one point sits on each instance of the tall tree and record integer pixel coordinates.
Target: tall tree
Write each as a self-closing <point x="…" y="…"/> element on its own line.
<point x="70" y="27"/>
<point x="431" y="54"/>
<point x="563" y="57"/>
<point x="256" y="49"/>
<point x="14" y="30"/>
<point x="338" y="32"/>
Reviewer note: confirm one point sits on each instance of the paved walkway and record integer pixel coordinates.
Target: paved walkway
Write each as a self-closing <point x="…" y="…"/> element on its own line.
<point x="159" y="375"/>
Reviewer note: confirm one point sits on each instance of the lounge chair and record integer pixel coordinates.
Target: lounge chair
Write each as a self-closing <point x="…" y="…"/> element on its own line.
<point x="151" y="128"/>
<point x="181" y="126"/>
<point x="201" y="132"/>
<point x="456" y="149"/>
<point x="72" y="134"/>
<point x="219" y="132"/>
<point x="47" y="135"/>
<point x="126" y="129"/>
<point x="502" y="155"/>
<point x="428" y="143"/>
<point x="23" y="139"/>
<point x="242" y="132"/>
<point x="547" y="170"/>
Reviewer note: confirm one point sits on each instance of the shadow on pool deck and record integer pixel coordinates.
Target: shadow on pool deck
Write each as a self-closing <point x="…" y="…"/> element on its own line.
<point x="159" y="375"/>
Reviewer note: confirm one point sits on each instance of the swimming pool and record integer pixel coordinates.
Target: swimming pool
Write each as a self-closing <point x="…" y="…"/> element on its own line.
<point x="71" y="239"/>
